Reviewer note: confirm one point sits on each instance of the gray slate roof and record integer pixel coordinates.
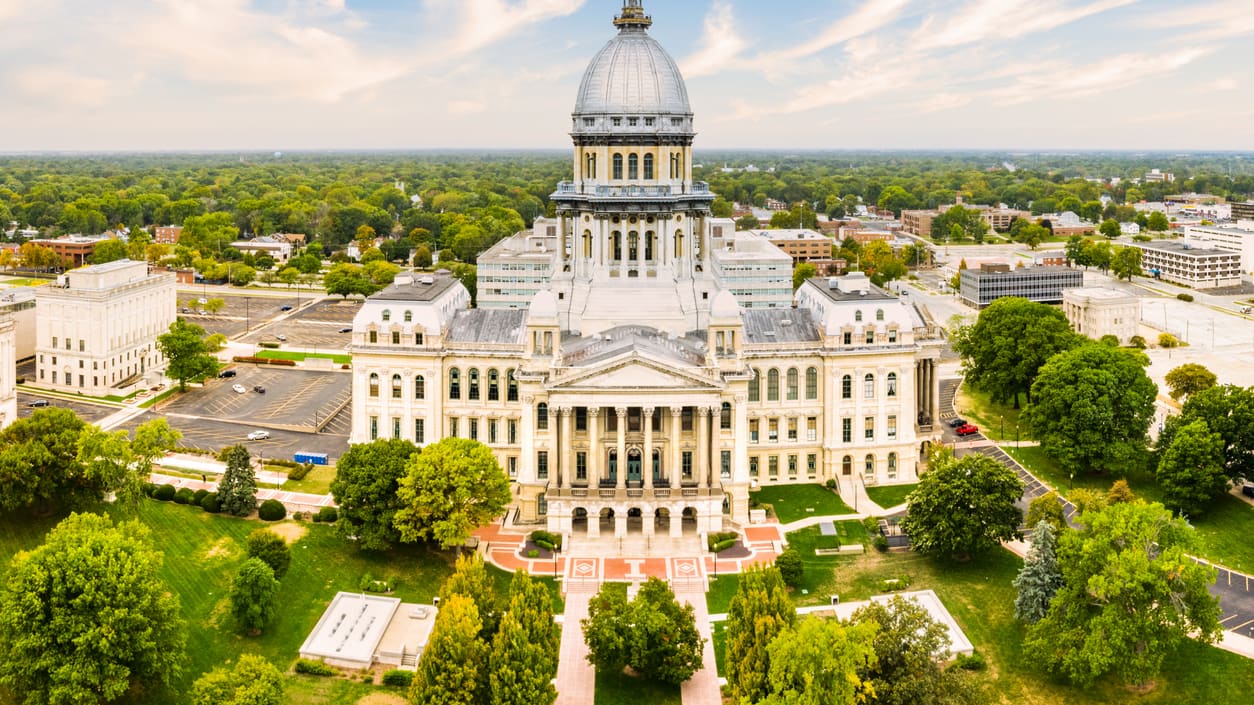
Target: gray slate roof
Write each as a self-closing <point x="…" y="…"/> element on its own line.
<point x="488" y="325"/>
<point x="780" y="325"/>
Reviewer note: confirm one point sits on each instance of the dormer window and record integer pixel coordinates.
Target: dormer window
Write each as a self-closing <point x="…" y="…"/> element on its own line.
<point x="879" y="314"/>
<point x="387" y="316"/>
<point x="589" y="122"/>
<point x="857" y="316"/>
<point x="648" y="122"/>
<point x="409" y="316"/>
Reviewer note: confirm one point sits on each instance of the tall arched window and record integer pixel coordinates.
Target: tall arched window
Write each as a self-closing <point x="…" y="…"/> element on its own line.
<point x="870" y="465"/>
<point x="857" y="316"/>
<point x="791" y="388"/>
<point x="679" y="243"/>
<point x="648" y="166"/>
<point x="892" y="466"/>
<point x="725" y="417"/>
<point x="387" y="315"/>
<point x="512" y="394"/>
<point x="879" y="314"/>
<point x="454" y="384"/>
<point x="420" y="387"/>
<point x="494" y="385"/>
<point x="587" y="244"/>
<point x="633" y="167"/>
<point x="772" y="385"/>
<point x="868" y="387"/>
<point x="755" y="386"/>
<point x="616" y="244"/>
<point x="409" y="316"/>
<point x="472" y="382"/>
<point x="812" y="384"/>
<point x="846" y="465"/>
<point x="633" y="246"/>
<point x="892" y="384"/>
<point x="374" y="384"/>
<point x="542" y="416"/>
<point x="649" y="239"/>
<point x="396" y="386"/>
<point x="846" y="387"/>
<point x="590" y="166"/>
<point x="618" y="167"/>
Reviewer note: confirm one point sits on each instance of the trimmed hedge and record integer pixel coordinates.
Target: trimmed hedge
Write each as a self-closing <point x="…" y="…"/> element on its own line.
<point x="327" y="515"/>
<point x="723" y="545"/>
<point x="268" y="345"/>
<point x="547" y="540"/>
<point x="1185" y="297"/>
<point x="272" y="510"/>
<point x="211" y="503"/>
<point x="300" y="471"/>
<point x="199" y="496"/>
<point x="264" y="361"/>
<point x="398" y="678"/>
<point x="714" y="540"/>
<point x="164" y="493"/>
<point x="149" y="488"/>
<point x="184" y="495"/>
<point x="310" y="667"/>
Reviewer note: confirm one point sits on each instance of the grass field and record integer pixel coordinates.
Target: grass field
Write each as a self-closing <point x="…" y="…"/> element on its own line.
<point x="301" y="356"/>
<point x="622" y="689"/>
<point x="318" y="481"/>
<point x="889" y="496"/>
<point x="818" y="579"/>
<point x="202" y="553"/>
<point x="793" y="502"/>
<point x="994" y="419"/>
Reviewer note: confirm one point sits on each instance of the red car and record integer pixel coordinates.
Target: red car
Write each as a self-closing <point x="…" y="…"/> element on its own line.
<point x="967" y="430"/>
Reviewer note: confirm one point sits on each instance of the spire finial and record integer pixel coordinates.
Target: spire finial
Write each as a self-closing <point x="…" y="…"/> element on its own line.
<point x="633" y="16"/>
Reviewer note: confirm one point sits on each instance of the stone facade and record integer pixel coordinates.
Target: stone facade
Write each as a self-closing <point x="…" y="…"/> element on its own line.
<point x="1098" y="312"/>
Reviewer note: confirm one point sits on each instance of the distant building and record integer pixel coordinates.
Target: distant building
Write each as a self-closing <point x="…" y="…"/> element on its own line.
<point x="8" y="369"/>
<point x="802" y="245"/>
<point x="514" y="270"/>
<point x="918" y="222"/>
<point x="167" y="234"/>
<point x="297" y="239"/>
<point x="1066" y="224"/>
<point x="1243" y="211"/>
<point x="981" y="287"/>
<point x="74" y="250"/>
<point x="1186" y="263"/>
<point x="19" y="302"/>
<point x="1157" y="176"/>
<point x="1098" y="312"/>
<point x="1225" y="237"/>
<point x="97" y="327"/>
<point x="774" y="205"/>
<point x="755" y="270"/>
<point x="276" y="248"/>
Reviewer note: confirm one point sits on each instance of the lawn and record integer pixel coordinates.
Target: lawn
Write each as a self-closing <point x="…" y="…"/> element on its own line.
<point x="889" y="496"/>
<point x="202" y="553"/>
<point x="318" y="481"/>
<point x="622" y="689"/>
<point x="993" y="418"/>
<point x="793" y="502"/>
<point x="302" y="356"/>
<point x="818" y="578"/>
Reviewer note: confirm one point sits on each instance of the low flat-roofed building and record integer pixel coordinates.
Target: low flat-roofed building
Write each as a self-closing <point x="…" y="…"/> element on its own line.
<point x="801" y="244"/>
<point x="515" y="269"/>
<point x="1243" y="211"/>
<point x="754" y="269"/>
<point x="1186" y="263"/>
<point x="19" y="302"/>
<point x="1225" y="237"/>
<point x="918" y="222"/>
<point x="167" y="234"/>
<point x="358" y="631"/>
<point x="1098" y="311"/>
<point x="74" y="250"/>
<point x="981" y="287"/>
<point x="277" y="248"/>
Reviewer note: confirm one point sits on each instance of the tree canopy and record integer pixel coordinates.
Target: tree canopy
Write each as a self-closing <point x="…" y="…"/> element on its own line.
<point x="454" y="666"/>
<point x="367" y="478"/>
<point x="449" y="489"/>
<point x="237" y="490"/>
<point x="1188" y="379"/>
<point x="187" y="357"/>
<point x="904" y="670"/>
<point x="39" y="463"/>
<point x="963" y="506"/>
<point x="653" y="633"/>
<point x="759" y="611"/>
<point x="1191" y="469"/>
<point x="252" y="681"/>
<point x="1229" y="411"/>
<point x="1011" y="340"/>
<point x="819" y="663"/>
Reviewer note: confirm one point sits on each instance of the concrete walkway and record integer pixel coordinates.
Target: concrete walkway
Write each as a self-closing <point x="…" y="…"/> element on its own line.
<point x="576" y="678"/>
<point x="702" y="688"/>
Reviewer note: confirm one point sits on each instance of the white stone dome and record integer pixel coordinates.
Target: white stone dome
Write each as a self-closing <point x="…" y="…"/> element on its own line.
<point x="543" y="306"/>
<point x="724" y="306"/>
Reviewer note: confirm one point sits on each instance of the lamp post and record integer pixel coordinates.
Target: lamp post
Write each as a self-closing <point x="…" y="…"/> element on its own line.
<point x="1001" y="433"/>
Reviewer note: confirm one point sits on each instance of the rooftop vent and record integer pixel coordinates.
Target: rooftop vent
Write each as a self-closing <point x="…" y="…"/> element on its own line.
<point x="403" y="280"/>
<point x="428" y="280"/>
<point x="786" y="322"/>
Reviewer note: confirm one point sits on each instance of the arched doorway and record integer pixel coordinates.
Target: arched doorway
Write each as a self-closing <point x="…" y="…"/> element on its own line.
<point x="606" y="521"/>
<point x="662" y="520"/>
<point x="633" y="465"/>
<point x="611" y="476"/>
<point x="635" y="520"/>
<point x="689" y="522"/>
<point x="579" y="520"/>
<point x="925" y="450"/>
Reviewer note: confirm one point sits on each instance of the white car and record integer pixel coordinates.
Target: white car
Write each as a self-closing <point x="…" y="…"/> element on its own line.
<point x="258" y="435"/>
<point x="239" y="388"/>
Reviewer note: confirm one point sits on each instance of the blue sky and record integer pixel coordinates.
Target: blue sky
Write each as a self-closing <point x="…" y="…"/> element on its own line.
<point x="784" y="74"/>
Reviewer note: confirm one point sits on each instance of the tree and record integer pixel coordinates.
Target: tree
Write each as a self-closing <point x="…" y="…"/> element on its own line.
<point x="237" y="490"/>
<point x="1039" y="579"/>
<point x="288" y="276"/>
<point x="1119" y="492"/>
<point x="1110" y="228"/>
<point x="986" y="492"/>
<point x="652" y="634"/>
<point x="454" y="665"/>
<point x="1130" y="596"/>
<point x="108" y="251"/>
<point x="904" y="670"/>
<point x="365" y="488"/>
<point x="1188" y="379"/>
<point x="1046" y="508"/>
<point x="790" y="567"/>
<point x="1075" y="250"/>
<point x="470" y="578"/>
<point x="1126" y="263"/>
<point x="801" y="273"/>
<point x="1191" y="469"/>
<point x="214" y="306"/>
<point x="271" y="549"/>
<point x="758" y="612"/>
<point x="819" y="662"/>
<point x="1011" y="340"/>
<point x="449" y="489"/>
<point x="40" y="467"/>
<point x="1033" y="234"/>
<point x="1158" y="222"/>
<point x="1092" y="407"/>
<point x="253" y="681"/>
<point x="523" y="661"/>
<point x="187" y="359"/>
<point x="961" y="223"/>
<point x="254" y="596"/>
<point x="1229" y="411"/>
<point x="896" y="199"/>
<point x="84" y="617"/>
<point x="607" y="629"/>
<point x="748" y="222"/>
<point x="346" y="279"/>
<point x="422" y="257"/>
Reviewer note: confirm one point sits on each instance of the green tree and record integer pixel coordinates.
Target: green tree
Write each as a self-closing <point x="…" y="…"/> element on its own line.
<point x="1110" y="228"/>
<point x="1033" y="234"/>
<point x="271" y="549"/>
<point x="1158" y="222"/>
<point x="1075" y="250"/>
<point x="1126" y="263"/>
<point x="748" y="222"/>
<point x="214" y="306"/>
<point x="1011" y="340"/>
<point x="449" y="489"/>
<point x="346" y="279"/>
<point x="108" y="251"/>
<point x="252" y="681"/>
<point x="819" y="662"/>
<point x="1040" y="578"/>
<point x="904" y="670"/>
<point x="759" y="611"/>
<point x="1191" y="469"/>
<point x="1118" y="492"/>
<point x="187" y="359"/>
<point x="422" y="257"/>
<point x="254" y="596"/>
<point x="607" y="629"/>
<point x="40" y="467"/>
<point x="523" y="661"/>
<point x="896" y="199"/>
<point x="84" y="617"/>
<point x="1091" y="407"/>
<point x="801" y="273"/>
<point x="653" y="634"/>
<point x="1188" y="379"/>
<point x="288" y="276"/>
<point x="237" y="490"/>
<point x="454" y="666"/>
<point x="1229" y="411"/>
<point x="470" y="578"/>
<point x="1130" y="596"/>
<point x="986" y="492"/>
<point x="721" y="208"/>
<point x="1047" y="508"/>
<point x="308" y="263"/>
<point x="365" y="488"/>
<point x="791" y="568"/>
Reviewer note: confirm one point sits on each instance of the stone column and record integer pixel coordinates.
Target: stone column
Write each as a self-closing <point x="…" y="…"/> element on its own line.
<point x="672" y="463"/>
<point x="934" y="392"/>
<point x="594" y="447"/>
<point x="527" y="461"/>
<point x="566" y="469"/>
<point x="622" y="452"/>
<point x="677" y="523"/>
<point x="647" y="418"/>
<point x="740" y="422"/>
<point x="620" y="524"/>
<point x="701" y="466"/>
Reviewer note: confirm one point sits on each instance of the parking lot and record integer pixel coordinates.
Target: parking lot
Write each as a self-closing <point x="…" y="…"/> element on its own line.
<point x="240" y="313"/>
<point x="314" y="327"/>
<point x="87" y="411"/>
<point x="214" y="435"/>
<point x="293" y="400"/>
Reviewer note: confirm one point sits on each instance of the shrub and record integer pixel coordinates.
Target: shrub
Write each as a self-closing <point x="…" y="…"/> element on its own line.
<point x="830" y="484"/>
<point x="715" y="539"/>
<point x="533" y="553"/>
<point x="149" y="488"/>
<point x="872" y="525"/>
<point x="328" y="515"/>
<point x="268" y="344"/>
<point x="900" y="582"/>
<point x="271" y="549"/>
<point x="199" y="496"/>
<point x="184" y="495"/>
<point x="1167" y="340"/>
<point x="165" y="493"/>
<point x="723" y="545"/>
<point x="369" y="584"/>
<point x="974" y="662"/>
<point x="398" y="678"/>
<point x="541" y="538"/>
<point x="310" y="667"/>
<point x="299" y="472"/>
<point x="790" y="567"/>
<point x="1185" y="297"/>
<point x="880" y="542"/>
<point x="211" y="503"/>
<point x="1137" y="342"/>
<point x="272" y="510"/>
<point x="545" y="545"/>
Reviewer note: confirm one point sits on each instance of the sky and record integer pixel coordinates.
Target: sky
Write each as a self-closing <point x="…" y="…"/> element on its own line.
<point x="192" y="75"/>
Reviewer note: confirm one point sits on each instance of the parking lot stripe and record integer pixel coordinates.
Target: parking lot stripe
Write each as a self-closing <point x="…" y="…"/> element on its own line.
<point x="1242" y="625"/>
<point x="1234" y="614"/>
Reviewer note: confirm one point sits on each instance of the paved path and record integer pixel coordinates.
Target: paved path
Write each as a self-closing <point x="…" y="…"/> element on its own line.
<point x="702" y="688"/>
<point x="576" y="678"/>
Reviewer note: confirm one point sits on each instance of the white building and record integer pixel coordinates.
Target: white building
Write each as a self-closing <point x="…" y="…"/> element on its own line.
<point x="276" y="247"/>
<point x="1186" y="263"/>
<point x="1098" y="311"/>
<point x="96" y="329"/>
<point x="754" y="270"/>
<point x="636" y="395"/>
<point x="515" y="269"/>
<point x="1239" y="239"/>
<point x="8" y="369"/>
<point x="20" y="303"/>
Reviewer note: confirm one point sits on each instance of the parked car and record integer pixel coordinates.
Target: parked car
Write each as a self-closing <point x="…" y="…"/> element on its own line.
<point x="38" y="403"/>
<point x="346" y="330"/>
<point x="238" y="388"/>
<point x="955" y="423"/>
<point x="224" y="374"/>
<point x="1247" y="490"/>
<point x="186" y="310"/>
<point x="258" y="435"/>
<point x="282" y="338"/>
<point x="967" y="430"/>
<point x="285" y="308"/>
<point x="259" y="389"/>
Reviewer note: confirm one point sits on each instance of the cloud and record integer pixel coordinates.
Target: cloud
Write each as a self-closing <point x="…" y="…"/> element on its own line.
<point x="484" y="22"/>
<point x="983" y="20"/>
<point x="1116" y="72"/>
<point x="871" y="16"/>
<point x="720" y="44"/>
<point x="1219" y="20"/>
<point x="1220" y="85"/>
<point x="466" y="107"/>
<point x="53" y="84"/>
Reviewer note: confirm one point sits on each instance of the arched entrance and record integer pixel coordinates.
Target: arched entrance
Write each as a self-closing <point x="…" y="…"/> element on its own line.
<point x="925" y="450"/>
<point x="635" y="520"/>
<point x="579" y="521"/>
<point x="662" y="521"/>
<point x="689" y="522"/>
<point x="606" y="521"/>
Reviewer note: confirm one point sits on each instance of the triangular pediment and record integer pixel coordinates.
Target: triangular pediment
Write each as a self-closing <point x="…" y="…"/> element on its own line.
<point x="635" y="373"/>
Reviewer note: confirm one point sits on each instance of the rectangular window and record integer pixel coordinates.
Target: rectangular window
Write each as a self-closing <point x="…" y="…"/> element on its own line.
<point x="511" y="464"/>
<point x="396" y="427"/>
<point x="792" y="467"/>
<point x="892" y="336"/>
<point x="492" y="431"/>
<point x="474" y="429"/>
<point x="452" y="427"/>
<point x="870" y="337"/>
<point x="418" y="339"/>
<point x="511" y="431"/>
<point x="542" y="464"/>
<point x="772" y="467"/>
<point x="753" y="466"/>
<point x="581" y="466"/>
<point x="581" y="418"/>
<point x="892" y="428"/>
<point x="685" y="464"/>
<point x="374" y="336"/>
<point x="812" y="465"/>
<point x="374" y="428"/>
<point x="80" y="381"/>
<point x="82" y="345"/>
<point x="772" y="430"/>
<point x="685" y="418"/>
<point x="792" y="429"/>
<point x="812" y="429"/>
<point x="420" y="431"/>
<point x="396" y="337"/>
<point x="724" y="467"/>
<point x="753" y="430"/>
<point x="868" y="426"/>
<point x="54" y="341"/>
<point x="846" y="430"/>
<point x="848" y="338"/>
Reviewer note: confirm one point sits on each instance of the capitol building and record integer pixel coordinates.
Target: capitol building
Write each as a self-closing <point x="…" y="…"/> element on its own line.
<point x="639" y="385"/>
